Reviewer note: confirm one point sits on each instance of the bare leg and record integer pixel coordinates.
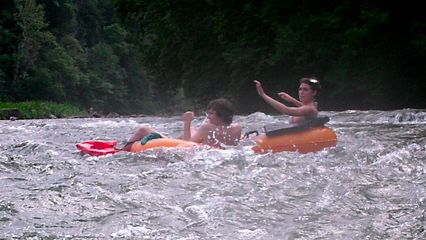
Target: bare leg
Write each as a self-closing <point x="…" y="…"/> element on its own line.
<point x="138" y="135"/>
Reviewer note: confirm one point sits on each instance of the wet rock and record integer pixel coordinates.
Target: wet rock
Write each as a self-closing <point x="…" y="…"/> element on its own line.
<point x="113" y="115"/>
<point x="95" y="115"/>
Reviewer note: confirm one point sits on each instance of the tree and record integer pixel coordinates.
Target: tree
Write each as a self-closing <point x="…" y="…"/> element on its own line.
<point x="8" y="39"/>
<point x="363" y="52"/>
<point x="30" y="18"/>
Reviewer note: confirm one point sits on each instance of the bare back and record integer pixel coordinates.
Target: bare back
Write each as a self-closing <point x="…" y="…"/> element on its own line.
<point x="218" y="136"/>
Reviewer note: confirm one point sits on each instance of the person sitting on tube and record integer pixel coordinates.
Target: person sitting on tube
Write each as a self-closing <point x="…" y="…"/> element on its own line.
<point x="219" y="130"/>
<point x="305" y="108"/>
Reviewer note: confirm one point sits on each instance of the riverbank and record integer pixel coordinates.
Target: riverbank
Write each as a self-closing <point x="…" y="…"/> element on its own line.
<point x="39" y="109"/>
<point x="49" y="110"/>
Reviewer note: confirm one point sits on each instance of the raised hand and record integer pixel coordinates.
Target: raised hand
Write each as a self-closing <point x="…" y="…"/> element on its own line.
<point x="290" y="99"/>
<point x="188" y="116"/>
<point x="259" y="88"/>
<point x="285" y="96"/>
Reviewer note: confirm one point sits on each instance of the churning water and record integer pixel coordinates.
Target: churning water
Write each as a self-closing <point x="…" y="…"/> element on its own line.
<point x="372" y="185"/>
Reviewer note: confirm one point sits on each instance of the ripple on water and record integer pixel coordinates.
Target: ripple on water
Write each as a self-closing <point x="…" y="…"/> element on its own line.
<point x="371" y="186"/>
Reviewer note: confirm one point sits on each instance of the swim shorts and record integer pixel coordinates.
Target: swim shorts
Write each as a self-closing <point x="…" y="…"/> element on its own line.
<point x="149" y="137"/>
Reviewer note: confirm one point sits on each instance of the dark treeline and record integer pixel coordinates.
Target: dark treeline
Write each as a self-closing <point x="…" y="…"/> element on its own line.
<point x="150" y="56"/>
<point x="71" y="51"/>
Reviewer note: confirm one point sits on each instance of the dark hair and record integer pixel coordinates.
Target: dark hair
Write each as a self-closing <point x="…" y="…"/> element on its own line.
<point x="223" y="109"/>
<point x="313" y="82"/>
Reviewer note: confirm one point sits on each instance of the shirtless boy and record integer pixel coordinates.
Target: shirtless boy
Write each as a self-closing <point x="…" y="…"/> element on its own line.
<point x="218" y="132"/>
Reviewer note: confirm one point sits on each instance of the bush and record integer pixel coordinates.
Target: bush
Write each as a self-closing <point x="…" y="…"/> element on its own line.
<point x="41" y="109"/>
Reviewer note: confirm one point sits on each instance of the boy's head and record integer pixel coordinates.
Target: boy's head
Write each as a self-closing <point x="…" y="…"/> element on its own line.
<point x="223" y="109"/>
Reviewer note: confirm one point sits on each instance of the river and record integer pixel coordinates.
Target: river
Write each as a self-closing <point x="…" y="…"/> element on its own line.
<point x="372" y="185"/>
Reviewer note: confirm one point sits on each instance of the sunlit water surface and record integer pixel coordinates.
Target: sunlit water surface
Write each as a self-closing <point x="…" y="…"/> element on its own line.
<point x="372" y="185"/>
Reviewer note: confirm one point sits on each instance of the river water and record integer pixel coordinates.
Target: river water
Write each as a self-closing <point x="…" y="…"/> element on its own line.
<point x="372" y="185"/>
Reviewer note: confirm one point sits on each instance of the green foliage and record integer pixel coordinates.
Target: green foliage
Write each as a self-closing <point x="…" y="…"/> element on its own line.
<point x="90" y="21"/>
<point x="216" y="48"/>
<point x="61" y="16"/>
<point x="170" y="55"/>
<point x="56" y="76"/>
<point x="30" y="19"/>
<point x="70" y="51"/>
<point x="115" y="34"/>
<point x="110" y="76"/>
<point x="7" y="47"/>
<point x="43" y="109"/>
<point x="3" y="92"/>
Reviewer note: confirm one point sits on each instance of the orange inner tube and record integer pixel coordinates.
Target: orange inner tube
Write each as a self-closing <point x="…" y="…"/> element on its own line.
<point x="161" y="142"/>
<point x="310" y="140"/>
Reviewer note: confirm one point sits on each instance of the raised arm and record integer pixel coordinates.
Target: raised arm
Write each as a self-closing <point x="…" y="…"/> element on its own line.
<point x="188" y="117"/>
<point x="282" y="108"/>
<point x="189" y="133"/>
<point x="290" y="99"/>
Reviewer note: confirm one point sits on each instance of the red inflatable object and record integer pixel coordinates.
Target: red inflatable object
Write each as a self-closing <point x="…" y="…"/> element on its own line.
<point x="103" y="147"/>
<point x="98" y="147"/>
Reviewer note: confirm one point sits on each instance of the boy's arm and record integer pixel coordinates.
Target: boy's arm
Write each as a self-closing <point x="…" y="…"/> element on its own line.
<point x="201" y="134"/>
<point x="188" y="117"/>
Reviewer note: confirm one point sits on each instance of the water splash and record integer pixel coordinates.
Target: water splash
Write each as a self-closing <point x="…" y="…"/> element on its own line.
<point x="370" y="186"/>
